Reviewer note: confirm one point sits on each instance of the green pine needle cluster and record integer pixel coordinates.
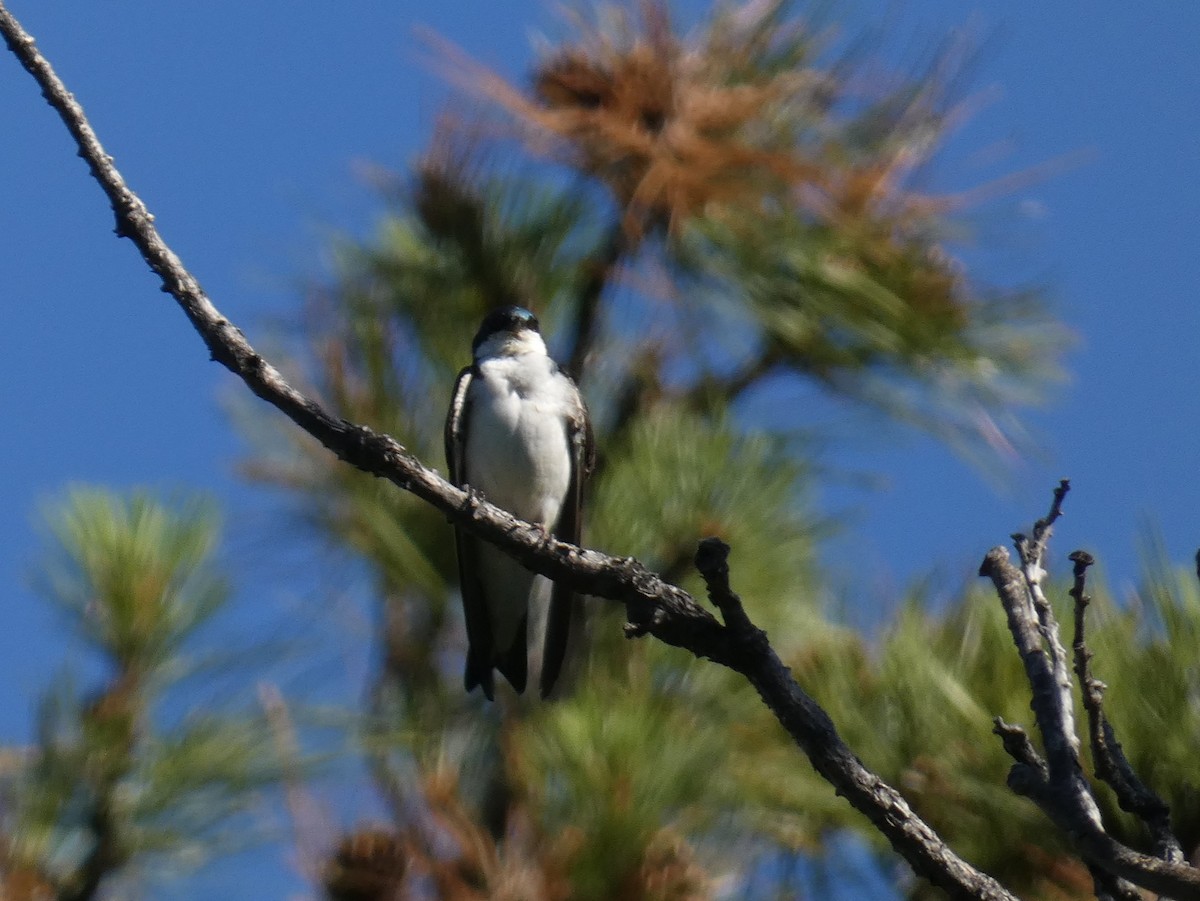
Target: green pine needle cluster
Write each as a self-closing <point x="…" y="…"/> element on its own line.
<point x="118" y="782"/>
<point x="719" y="212"/>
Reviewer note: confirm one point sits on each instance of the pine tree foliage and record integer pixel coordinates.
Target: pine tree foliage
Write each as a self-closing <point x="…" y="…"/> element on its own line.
<point x="688" y="217"/>
<point x="694" y="218"/>
<point x="115" y="785"/>
<point x="920" y="707"/>
<point x="783" y="186"/>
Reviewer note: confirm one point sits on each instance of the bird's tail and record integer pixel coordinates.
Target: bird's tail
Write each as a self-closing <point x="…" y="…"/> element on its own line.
<point x="479" y="672"/>
<point x="512" y="663"/>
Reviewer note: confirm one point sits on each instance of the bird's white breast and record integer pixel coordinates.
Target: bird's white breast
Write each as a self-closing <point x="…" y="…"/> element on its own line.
<point x="518" y="450"/>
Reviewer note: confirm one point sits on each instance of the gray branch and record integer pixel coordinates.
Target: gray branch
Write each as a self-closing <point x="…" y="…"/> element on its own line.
<point x="653" y="606"/>
<point x="1032" y="552"/>
<point x="1059" y="787"/>
<point x="1133" y="795"/>
<point x="815" y="733"/>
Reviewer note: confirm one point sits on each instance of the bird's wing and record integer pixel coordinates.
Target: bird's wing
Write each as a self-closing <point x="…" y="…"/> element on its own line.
<point x="455" y="421"/>
<point x="479" y="632"/>
<point x="568" y="528"/>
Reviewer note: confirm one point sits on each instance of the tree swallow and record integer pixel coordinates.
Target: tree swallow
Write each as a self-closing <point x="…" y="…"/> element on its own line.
<point x="518" y="433"/>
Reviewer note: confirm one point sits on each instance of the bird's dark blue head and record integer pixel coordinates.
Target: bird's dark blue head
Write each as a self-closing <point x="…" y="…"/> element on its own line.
<point x="504" y="319"/>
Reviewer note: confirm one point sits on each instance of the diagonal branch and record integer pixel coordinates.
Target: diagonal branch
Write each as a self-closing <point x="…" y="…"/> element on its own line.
<point x="653" y="606"/>
<point x="815" y="733"/>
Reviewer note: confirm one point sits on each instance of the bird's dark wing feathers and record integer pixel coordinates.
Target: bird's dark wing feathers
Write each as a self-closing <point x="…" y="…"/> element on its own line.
<point x="568" y="528"/>
<point x="454" y="424"/>
<point x="479" y="631"/>
<point x="480" y="655"/>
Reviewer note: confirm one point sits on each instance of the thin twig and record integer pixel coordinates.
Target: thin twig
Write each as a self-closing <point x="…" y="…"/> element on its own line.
<point x="712" y="562"/>
<point x="1112" y="766"/>
<point x="1035" y="550"/>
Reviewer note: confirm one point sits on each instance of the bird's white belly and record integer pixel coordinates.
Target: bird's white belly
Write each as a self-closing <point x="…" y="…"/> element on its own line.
<point x="518" y="454"/>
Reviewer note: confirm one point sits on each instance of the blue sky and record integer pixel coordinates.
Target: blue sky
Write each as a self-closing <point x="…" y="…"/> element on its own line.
<point x="244" y="127"/>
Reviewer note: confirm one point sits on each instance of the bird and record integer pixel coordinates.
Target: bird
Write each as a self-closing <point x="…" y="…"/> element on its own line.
<point x="517" y="433"/>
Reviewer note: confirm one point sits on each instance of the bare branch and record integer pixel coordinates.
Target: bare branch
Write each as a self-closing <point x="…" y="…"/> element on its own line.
<point x="1032" y="552"/>
<point x="1051" y="705"/>
<point x="1109" y="758"/>
<point x="1063" y="793"/>
<point x="815" y="733"/>
<point x="1035" y="550"/>
<point x="1029" y="777"/>
<point x="653" y="606"/>
<point x="712" y="562"/>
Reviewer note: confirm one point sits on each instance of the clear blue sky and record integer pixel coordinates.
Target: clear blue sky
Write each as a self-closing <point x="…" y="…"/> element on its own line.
<point x="241" y="125"/>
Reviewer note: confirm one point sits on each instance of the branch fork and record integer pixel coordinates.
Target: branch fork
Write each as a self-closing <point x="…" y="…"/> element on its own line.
<point x="1057" y="784"/>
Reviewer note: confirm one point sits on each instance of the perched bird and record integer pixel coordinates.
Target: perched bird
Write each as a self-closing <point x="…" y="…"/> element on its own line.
<point x="518" y="433"/>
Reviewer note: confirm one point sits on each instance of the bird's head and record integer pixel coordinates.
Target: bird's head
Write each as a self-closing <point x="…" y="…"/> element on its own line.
<point x="507" y="331"/>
